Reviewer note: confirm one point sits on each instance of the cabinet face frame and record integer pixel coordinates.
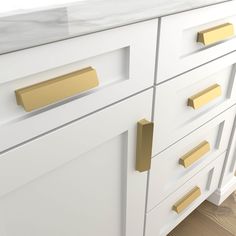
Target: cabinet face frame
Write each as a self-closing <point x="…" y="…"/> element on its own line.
<point x="25" y="165"/>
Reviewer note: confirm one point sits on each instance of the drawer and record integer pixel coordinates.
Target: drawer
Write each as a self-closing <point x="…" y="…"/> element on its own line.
<point x="190" y="100"/>
<point x="73" y="78"/>
<point x="163" y="218"/>
<point x="174" y="166"/>
<point x="179" y="50"/>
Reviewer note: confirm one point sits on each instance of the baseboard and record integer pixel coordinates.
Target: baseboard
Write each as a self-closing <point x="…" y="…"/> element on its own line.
<point x="221" y="194"/>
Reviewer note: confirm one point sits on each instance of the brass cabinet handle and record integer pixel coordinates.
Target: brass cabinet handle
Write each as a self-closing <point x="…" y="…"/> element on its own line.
<point x="215" y="34"/>
<point x="189" y="198"/>
<point x="144" y="145"/>
<point x="195" y="154"/>
<point x="54" y="90"/>
<point x="207" y="95"/>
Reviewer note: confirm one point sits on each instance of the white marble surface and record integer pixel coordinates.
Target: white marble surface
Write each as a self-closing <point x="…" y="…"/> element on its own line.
<point x="24" y="29"/>
<point x="19" y="5"/>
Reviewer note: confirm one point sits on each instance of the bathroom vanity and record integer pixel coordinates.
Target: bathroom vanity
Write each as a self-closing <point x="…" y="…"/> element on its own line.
<point x="117" y="118"/>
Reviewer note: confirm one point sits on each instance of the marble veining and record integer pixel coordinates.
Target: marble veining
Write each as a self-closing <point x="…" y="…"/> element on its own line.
<point x="28" y="29"/>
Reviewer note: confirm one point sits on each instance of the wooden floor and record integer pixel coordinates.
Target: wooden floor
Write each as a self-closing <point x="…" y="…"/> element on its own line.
<point x="210" y="220"/>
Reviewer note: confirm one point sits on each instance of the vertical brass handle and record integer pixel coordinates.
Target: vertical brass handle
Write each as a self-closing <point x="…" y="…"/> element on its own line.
<point x="195" y="154"/>
<point x="215" y="34"/>
<point x="204" y="97"/>
<point x="144" y="145"/>
<point x="54" y="90"/>
<point x="188" y="199"/>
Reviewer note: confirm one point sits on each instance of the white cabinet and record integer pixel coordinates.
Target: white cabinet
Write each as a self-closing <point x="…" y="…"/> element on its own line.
<point x="68" y="168"/>
<point x="78" y="180"/>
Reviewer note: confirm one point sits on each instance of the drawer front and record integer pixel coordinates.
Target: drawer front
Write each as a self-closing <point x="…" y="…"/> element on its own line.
<point x="190" y="100"/>
<point x="63" y="81"/>
<point x="174" y="166"/>
<point x="192" y="38"/>
<point x="163" y="218"/>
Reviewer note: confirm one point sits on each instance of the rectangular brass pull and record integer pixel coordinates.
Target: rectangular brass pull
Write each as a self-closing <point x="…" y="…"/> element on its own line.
<point x="215" y="34"/>
<point x="189" y="198"/>
<point x="53" y="90"/>
<point x="195" y="154"/>
<point x="207" y="95"/>
<point x="144" y="145"/>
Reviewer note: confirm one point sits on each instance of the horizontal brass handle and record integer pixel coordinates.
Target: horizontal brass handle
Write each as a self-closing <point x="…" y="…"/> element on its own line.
<point x="144" y="145"/>
<point x="189" y="198"/>
<point x="195" y="154"/>
<point x="207" y="95"/>
<point x="215" y="34"/>
<point x="51" y="91"/>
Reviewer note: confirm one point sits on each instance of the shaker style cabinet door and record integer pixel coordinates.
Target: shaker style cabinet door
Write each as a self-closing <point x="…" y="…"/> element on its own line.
<point x="79" y="180"/>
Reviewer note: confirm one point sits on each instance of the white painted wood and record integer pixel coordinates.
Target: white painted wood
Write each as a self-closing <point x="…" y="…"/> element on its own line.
<point x="167" y="175"/>
<point x="123" y="57"/>
<point x="230" y="165"/>
<point x="78" y="180"/>
<point x="221" y="194"/>
<point x="173" y="118"/>
<point x="228" y="179"/>
<point x="178" y="49"/>
<point x="162" y="219"/>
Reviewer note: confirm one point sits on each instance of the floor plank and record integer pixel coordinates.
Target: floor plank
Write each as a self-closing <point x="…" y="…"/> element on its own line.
<point x="210" y="220"/>
<point x="224" y="215"/>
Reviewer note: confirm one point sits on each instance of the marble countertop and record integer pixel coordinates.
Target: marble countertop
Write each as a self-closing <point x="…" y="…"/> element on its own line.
<point x="24" y="29"/>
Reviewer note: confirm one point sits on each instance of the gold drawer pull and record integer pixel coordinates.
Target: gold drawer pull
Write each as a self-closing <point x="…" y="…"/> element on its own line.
<point x="215" y="34"/>
<point x="54" y="90"/>
<point x="144" y="145"/>
<point x="195" y="154"/>
<point x="189" y="198"/>
<point x="207" y="95"/>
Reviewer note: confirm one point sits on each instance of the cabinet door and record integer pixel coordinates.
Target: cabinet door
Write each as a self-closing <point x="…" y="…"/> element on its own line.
<point x="79" y="180"/>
